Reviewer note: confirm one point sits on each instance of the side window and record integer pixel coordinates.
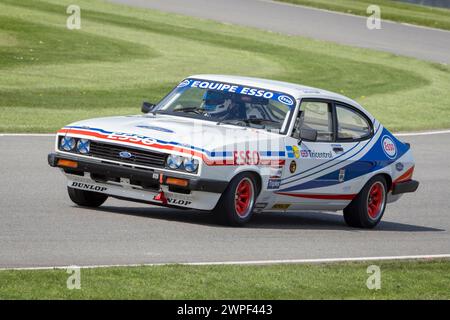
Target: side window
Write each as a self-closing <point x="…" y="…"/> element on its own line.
<point x="351" y="125"/>
<point x="317" y="116"/>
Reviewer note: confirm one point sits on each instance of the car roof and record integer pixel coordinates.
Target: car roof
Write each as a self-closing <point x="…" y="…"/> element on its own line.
<point x="295" y="90"/>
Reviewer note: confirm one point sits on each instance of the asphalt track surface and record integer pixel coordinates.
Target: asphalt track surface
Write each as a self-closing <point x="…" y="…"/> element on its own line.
<point x="401" y="39"/>
<point x="39" y="226"/>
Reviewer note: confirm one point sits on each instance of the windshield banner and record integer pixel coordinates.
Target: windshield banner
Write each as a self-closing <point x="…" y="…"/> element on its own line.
<point x="226" y="87"/>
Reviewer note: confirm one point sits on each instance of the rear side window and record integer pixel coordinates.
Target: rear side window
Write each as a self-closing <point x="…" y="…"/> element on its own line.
<point x="351" y="125"/>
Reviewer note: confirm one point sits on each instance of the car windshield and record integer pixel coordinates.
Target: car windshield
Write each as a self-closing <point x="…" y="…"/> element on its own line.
<point x="229" y="104"/>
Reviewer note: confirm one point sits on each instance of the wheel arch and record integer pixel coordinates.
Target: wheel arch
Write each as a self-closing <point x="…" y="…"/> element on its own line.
<point x="387" y="178"/>
<point x="383" y="173"/>
<point x="256" y="175"/>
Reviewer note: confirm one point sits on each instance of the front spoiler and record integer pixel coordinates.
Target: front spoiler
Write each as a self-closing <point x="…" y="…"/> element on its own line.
<point x="146" y="175"/>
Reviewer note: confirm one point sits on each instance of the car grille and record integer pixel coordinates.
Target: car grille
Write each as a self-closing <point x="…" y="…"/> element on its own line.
<point x="139" y="156"/>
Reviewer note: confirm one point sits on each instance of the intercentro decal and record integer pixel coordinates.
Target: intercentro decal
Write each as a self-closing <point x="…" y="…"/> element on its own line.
<point x="249" y="91"/>
<point x="315" y="154"/>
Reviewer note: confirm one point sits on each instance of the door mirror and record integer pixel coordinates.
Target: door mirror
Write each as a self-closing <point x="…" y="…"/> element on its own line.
<point x="308" y="134"/>
<point x="147" y="107"/>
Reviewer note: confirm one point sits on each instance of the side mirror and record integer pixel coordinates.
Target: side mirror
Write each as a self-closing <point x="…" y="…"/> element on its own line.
<point x="147" y="107"/>
<point x="308" y="134"/>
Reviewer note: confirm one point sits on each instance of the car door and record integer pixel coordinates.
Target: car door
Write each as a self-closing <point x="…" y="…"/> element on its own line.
<point x="312" y="172"/>
<point x="353" y="134"/>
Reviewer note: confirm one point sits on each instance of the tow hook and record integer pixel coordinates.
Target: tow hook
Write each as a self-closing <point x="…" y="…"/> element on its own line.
<point x="161" y="197"/>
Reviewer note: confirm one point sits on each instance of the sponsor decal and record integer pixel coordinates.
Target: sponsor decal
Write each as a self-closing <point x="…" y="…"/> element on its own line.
<point x="399" y="166"/>
<point x="86" y="186"/>
<point x="274" y="184"/>
<point x="178" y="202"/>
<point x="286" y="100"/>
<point x="130" y="137"/>
<point x="246" y="157"/>
<point x="316" y="155"/>
<point x="125" y="155"/>
<point x="183" y="83"/>
<point x="290" y="152"/>
<point x="155" y="128"/>
<point x="249" y="91"/>
<point x="341" y="175"/>
<point x="296" y="151"/>
<point x="389" y="147"/>
<point x="261" y="205"/>
<point x="293" y="166"/>
<point x="177" y="199"/>
<point x="276" y="172"/>
<point x="281" y="206"/>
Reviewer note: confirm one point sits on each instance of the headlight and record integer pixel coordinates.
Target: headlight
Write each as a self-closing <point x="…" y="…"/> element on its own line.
<point x="67" y="143"/>
<point x="190" y="165"/>
<point x="174" y="162"/>
<point x="83" y="146"/>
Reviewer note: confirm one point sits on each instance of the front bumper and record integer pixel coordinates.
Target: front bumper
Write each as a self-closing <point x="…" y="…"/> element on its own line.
<point x="405" y="187"/>
<point x="101" y="171"/>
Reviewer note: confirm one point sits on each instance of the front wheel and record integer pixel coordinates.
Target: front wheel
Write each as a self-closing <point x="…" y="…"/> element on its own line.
<point x="86" y="198"/>
<point x="367" y="208"/>
<point x="235" y="206"/>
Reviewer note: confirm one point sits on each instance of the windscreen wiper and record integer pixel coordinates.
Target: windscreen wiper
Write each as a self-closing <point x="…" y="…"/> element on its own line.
<point x="247" y="121"/>
<point x="195" y="110"/>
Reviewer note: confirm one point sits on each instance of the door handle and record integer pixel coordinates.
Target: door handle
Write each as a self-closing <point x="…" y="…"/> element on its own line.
<point x="338" y="149"/>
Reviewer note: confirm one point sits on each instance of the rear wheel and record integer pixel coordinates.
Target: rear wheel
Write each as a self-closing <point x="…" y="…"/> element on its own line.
<point x="367" y="208"/>
<point x="86" y="198"/>
<point x="236" y="204"/>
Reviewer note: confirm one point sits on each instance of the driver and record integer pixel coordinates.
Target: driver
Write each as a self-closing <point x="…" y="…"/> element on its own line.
<point x="216" y="104"/>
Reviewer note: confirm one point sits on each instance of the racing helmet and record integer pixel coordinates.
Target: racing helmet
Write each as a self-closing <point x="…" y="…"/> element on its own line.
<point x="216" y="102"/>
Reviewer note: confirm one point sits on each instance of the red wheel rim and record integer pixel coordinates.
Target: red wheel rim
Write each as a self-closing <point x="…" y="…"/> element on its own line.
<point x="375" y="200"/>
<point x="243" y="199"/>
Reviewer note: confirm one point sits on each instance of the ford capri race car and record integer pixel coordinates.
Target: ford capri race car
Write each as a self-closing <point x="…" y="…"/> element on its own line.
<point x="238" y="146"/>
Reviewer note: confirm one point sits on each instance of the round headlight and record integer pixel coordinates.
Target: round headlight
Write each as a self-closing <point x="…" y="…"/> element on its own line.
<point x="83" y="146"/>
<point x="67" y="143"/>
<point x="190" y="165"/>
<point x="174" y="162"/>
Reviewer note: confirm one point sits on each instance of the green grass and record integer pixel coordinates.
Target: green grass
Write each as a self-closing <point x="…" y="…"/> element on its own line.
<point x="51" y="76"/>
<point x="399" y="280"/>
<point x="390" y="10"/>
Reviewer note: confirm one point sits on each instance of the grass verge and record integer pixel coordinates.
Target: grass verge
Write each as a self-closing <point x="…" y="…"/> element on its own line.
<point x="52" y="76"/>
<point x="390" y="10"/>
<point x="399" y="280"/>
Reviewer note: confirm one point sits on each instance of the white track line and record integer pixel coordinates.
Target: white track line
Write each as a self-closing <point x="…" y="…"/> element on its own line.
<point x="255" y="262"/>
<point x="423" y="133"/>
<point x="352" y="15"/>
<point x="27" y="134"/>
<point x="401" y="134"/>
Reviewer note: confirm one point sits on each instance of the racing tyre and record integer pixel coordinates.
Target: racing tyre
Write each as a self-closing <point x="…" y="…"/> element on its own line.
<point x="235" y="206"/>
<point x="86" y="198"/>
<point x="367" y="208"/>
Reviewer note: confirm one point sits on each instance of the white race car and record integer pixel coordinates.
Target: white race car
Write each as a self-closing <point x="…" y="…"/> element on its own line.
<point x="237" y="146"/>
